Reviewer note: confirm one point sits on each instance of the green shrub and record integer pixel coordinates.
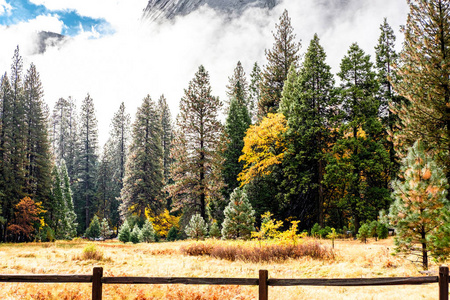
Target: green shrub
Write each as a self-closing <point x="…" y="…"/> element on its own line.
<point x="382" y="231"/>
<point x="363" y="233"/>
<point x="90" y="252"/>
<point x="315" y="230"/>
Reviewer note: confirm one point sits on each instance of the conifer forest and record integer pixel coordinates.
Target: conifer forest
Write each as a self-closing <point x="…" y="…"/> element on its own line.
<point x="291" y="141"/>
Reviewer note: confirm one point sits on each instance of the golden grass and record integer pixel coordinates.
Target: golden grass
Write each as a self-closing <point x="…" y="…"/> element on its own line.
<point x="352" y="259"/>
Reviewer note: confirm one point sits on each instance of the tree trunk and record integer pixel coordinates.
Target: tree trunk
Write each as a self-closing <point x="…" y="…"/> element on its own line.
<point x="424" y="251"/>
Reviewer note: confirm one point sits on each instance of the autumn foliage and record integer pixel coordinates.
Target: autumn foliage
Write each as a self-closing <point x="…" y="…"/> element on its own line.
<point x="264" y="147"/>
<point x="26" y="219"/>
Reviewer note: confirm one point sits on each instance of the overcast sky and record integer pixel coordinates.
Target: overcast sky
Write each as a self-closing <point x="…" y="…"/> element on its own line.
<point x="115" y="56"/>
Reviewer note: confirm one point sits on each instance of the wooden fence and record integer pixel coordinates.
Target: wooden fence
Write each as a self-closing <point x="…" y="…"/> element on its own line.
<point x="263" y="281"/>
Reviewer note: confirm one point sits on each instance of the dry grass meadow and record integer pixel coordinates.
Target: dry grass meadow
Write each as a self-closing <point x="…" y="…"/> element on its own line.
<point x="352" y="259"/>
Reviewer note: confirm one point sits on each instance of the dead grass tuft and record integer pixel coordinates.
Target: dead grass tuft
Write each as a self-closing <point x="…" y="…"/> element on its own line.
<point x="256" y="254"/>
<point x="198" y="249"/>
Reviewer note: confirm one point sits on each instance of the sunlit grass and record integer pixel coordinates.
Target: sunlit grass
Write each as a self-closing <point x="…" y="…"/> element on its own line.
<point x="351" y="259"/>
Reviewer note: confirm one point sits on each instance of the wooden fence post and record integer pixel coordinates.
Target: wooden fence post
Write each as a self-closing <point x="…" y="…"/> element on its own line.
<point x="97" y="283"/>
<point x="443" y="283"/>
<point x="263" y="287"/>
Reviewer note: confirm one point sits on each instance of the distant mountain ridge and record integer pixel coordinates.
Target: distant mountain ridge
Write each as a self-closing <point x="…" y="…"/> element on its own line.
<point x="168" y="9"/>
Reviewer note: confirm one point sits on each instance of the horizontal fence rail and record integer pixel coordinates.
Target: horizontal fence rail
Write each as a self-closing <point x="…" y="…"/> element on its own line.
<point x="263" y="281"/>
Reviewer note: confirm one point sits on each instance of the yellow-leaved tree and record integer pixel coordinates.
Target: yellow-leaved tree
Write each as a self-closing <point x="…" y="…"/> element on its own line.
<point x="264" y="147"/>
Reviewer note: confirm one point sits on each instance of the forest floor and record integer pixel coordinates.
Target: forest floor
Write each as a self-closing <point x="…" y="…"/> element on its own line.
<point x="352" y="259"/>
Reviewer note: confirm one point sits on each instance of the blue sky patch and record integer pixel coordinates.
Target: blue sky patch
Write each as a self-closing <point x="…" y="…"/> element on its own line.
<point x="24" y="10"/>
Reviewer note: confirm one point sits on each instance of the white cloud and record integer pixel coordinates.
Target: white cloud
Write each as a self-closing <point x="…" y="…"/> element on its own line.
<point x="119" y="13"/>
<point x="140" y="59"/>
<point x="5" y="8"/>
<point x="24" y="35"/>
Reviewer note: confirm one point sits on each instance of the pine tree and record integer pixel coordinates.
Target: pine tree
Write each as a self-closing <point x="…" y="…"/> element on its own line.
<point x="18" y="137"/>
<point x="107" y="190"/>
<point x="279" y="60"/>
<point x="236" y="124"/>
<point x="124" y="232"/>
<point x="57" y="211"/>
<point x="308" y="104"/>
<point x="196" y="171"/>
<point x="197" y="227"/>
<point x="425" y="82"/>
<point x="358" y="163"/>
<point x="386" y="60"/>
<point x="166" y="142"/>
<point x="94" y="229"/>
<point x="71" y="218"/>
<point x="135" y="233"/>
<point x="104" y="229"/>
<point x="143" y="180"/>
<point x="112" y="166"/>
<point x="238" y="86"/>
<point x="38" y="157"/>
<point x="239" y="217"/>
<point x="254" y="92"/>
<point x="64" y="132"/>
<point x="6" y="126"/>
<point x="87" y="163"/>
<point x="421" y="211"/>
<point x="147" y="232"/>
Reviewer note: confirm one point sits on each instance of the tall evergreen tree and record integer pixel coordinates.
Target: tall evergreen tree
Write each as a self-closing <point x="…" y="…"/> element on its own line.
<point x="196" y="171"/>
<point x="106" y="186"/>
<point x="308" y="105"/>
<point x="283" y="54"/>
<point x="166" y="141"/>
<point x="359" y="161"/>
<point x="64" y="132"/>
<point x="13" y="141"/>
<point x="71" y="217"/>
<point x="87" y="164"/>
<point x="254" y="92"/>
<point x="143" y="181"/>
<point x="38" y="156"/>
<point x="57" y="209"/>
<point x="6" y="126"/>
<point x="236" y="124"/>
<point x="114" y="161"/>
<point x="386" y="60"/>
<point x="18" y="137"/>
<point x="425" y="80"/>
<point x="237" y="86"/>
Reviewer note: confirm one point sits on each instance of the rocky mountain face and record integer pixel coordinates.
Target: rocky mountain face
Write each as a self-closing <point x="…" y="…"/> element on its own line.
<point x="168" y="9"/>
<point x="47" y="39"/>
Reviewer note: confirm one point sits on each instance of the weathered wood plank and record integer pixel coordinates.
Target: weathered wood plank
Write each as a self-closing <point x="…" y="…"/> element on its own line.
<point x="46" y="278"/>
<point x="355" y="281"/>
<point x="180" y="280"/>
